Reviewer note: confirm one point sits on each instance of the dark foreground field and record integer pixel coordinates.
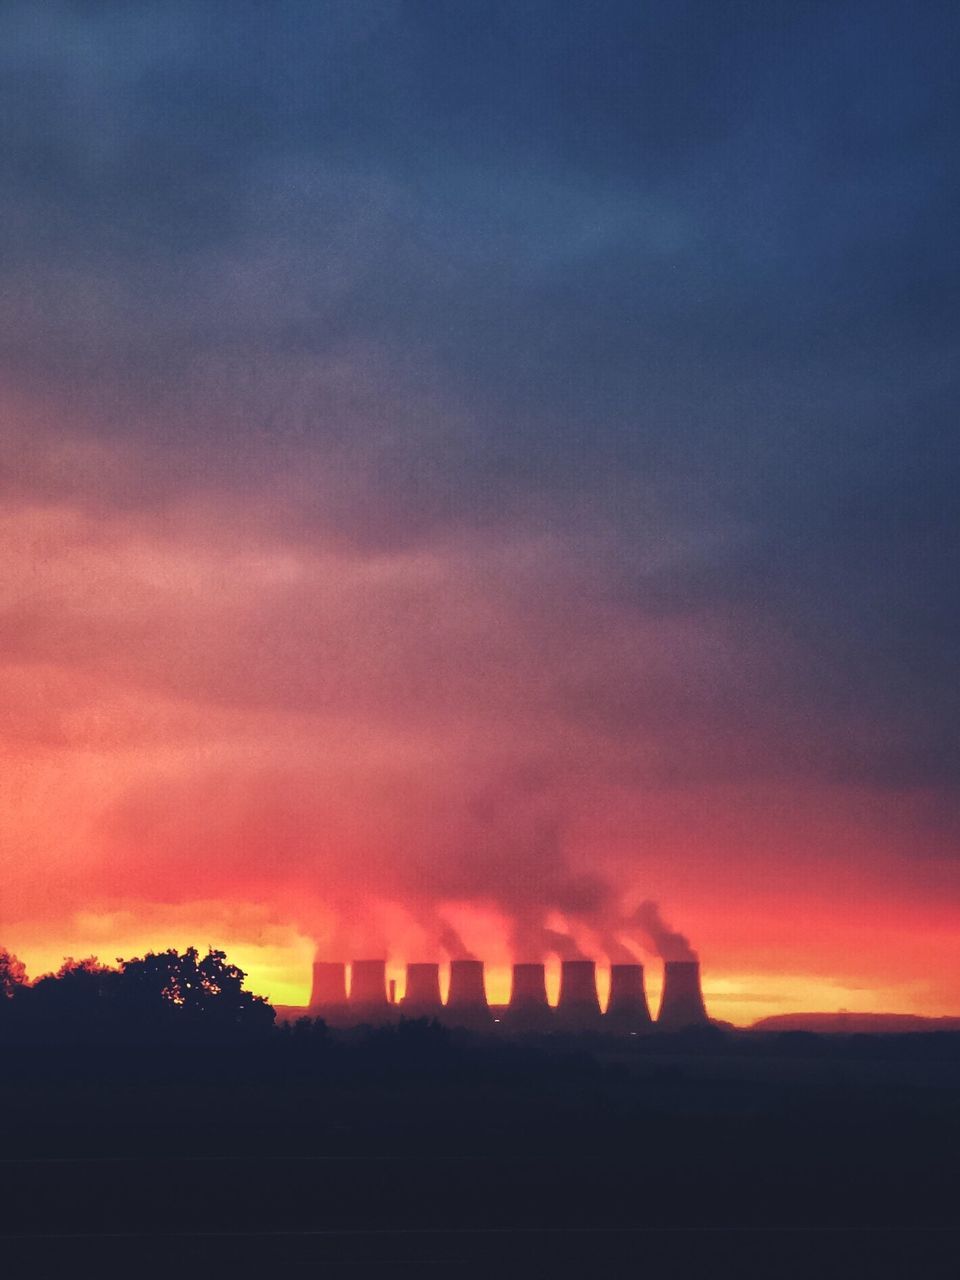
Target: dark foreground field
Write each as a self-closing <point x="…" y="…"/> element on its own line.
<point x="417" y="1152"/>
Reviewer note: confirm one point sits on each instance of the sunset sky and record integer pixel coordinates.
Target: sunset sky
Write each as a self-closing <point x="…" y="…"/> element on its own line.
<point x="482" y="466"/>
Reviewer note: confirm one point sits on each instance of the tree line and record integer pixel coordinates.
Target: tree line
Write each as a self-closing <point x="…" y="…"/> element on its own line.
<point x="168" y="995"/>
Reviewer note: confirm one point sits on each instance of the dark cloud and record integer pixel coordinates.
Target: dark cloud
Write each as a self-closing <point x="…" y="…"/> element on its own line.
<point x="665" y="290"/>
<point x="665" y="942"/>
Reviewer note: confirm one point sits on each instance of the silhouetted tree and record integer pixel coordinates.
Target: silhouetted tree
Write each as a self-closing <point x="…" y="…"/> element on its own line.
<point x="80" y="999"/>
<point x="165" y="995"/>
<point x="13" y="974"/>
<point x="190" y="992"/>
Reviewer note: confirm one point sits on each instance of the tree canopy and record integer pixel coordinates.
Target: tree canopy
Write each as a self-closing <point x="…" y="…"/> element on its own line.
<point x="166" y="995"/>
<point x="13" y="974"/>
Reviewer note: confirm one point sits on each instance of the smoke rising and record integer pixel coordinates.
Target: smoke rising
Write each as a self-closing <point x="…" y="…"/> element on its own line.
<point x="375" y="860"/>
<point x="562" y="945"/>
<point x="455" y="947"/>
<point x="666" y="942"/>
<point x="616" y="952"/>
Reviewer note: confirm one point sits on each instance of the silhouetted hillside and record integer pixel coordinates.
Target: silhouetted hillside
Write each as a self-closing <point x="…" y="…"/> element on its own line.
<point x="855" y="1023"/>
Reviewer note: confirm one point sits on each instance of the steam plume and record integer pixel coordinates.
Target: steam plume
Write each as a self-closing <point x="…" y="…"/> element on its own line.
<point x="667" y="943"/>
<point x="562" y="945"/>
<point x="455" y="947"/>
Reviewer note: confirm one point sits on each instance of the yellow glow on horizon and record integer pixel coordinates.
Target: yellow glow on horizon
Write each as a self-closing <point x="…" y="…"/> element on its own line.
<point x="278" y="960"/>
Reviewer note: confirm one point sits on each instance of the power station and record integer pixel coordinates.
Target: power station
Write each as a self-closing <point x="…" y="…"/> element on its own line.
<point x="681" y="1004"/>
<point x="627" y="1008"/>
<point x="467" y="998"/>
<point x="422" y="996"/>
<point x="579" y="1005"/>
<point x="528" y="1007"/>
<point x="577" y="1009"/>
<point x="368" y="990"/>
<point x="328" y="995"/>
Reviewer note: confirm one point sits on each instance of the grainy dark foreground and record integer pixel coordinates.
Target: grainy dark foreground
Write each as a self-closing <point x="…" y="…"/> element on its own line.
<point x="413" y="1152"/>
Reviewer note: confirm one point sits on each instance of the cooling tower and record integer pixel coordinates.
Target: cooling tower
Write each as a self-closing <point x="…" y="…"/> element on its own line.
<point x="578" y="1005"/>
<point x="329" y="985"/>
<point x="681" y="1004"/>
<point x="467" y="998"/>
<point x="368" y="989"/>
<point x="422" y="996"/>
<point x="528" y="1008"/>
<point x="627" y="1009"/>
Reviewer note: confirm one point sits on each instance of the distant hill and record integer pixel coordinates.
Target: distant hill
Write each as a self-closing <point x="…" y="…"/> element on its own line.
<point x="855" y="1023"/>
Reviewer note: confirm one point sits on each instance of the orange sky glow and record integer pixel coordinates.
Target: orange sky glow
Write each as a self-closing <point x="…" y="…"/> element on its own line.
<point x="218" y="734"/>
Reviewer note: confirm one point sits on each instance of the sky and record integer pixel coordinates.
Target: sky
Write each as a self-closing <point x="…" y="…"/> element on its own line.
<point x="469" y="470"/>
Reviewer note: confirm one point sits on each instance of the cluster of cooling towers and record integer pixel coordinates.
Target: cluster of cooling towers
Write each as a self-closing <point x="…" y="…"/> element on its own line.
<point x="578" y="1008"/>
